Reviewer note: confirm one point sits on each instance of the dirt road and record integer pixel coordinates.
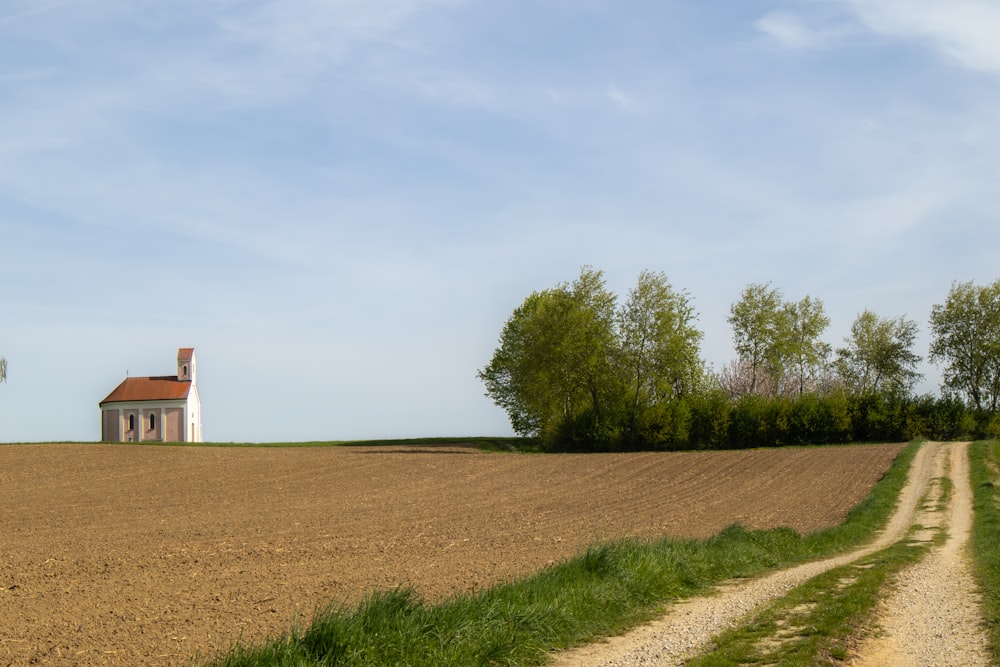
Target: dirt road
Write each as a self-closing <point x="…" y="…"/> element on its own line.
<point x="932" y="616"/>
<point x="942" y="629"/>
<point x="138" y="555"/>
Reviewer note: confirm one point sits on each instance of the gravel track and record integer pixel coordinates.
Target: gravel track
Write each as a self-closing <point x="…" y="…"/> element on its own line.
<point x="932" y="616"/>
<point x="689" y="626"/>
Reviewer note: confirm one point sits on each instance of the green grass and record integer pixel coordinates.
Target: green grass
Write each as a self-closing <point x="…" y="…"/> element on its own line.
<point x="604" y="591"/>
<point x="985" y="476"/>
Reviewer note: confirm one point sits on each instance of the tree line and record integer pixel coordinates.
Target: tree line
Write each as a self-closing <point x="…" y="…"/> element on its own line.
<point x="578" y="371"/>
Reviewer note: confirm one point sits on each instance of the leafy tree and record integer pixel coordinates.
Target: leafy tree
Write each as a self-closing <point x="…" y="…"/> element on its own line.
<point x="966" y="337"/>
<point x="804" y="353"/>
<point x="659" y="344"/>
<point x="510" y="378"/>
<point x="757" y="321"/>
<point x="778" y="343"/>
<point x="588" y="345"/>
<point x="554" y="359"/>
<point x="878" y="357"/>
<point x="577" y="371"/>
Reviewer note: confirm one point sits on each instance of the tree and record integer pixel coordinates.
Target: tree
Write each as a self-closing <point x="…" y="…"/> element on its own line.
<point x="659" y="350"/>
<point x="737" y="378"/>
<point x="757" y="321"/>
<point x="577" y="371"/>
<point x="878" y="357"/>
<point x="511" y="378"/>
<point x="554" y="359"/>
<point x="777" y="342"/>
<point x="966" y="338"/>
<point x="3" y="369"/>
<point x="804" y="353"/>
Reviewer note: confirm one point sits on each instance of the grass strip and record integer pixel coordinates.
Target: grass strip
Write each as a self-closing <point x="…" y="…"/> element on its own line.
<point x="984" y="473"/>
<point x="608" y="589"/>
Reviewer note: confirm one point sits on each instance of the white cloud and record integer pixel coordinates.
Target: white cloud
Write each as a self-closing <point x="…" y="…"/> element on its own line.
<point x="884" y="218"/>
<point x="451" y="89"/>
<point x="25" y="10"/>
<point x="623" y="101"/>
<point x="964" y="30"/>
<point x="789" y="31"/>
<point x="24" y="76"/>
<point x="321" y="29"/>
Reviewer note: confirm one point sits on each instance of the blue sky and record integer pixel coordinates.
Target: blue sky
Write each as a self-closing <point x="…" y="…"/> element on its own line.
<point x="338" y="203"/>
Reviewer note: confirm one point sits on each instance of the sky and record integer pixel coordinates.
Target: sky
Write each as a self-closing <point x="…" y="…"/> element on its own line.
<point x="339" y="203"/>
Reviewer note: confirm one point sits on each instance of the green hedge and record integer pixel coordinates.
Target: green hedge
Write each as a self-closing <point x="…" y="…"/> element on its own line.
<point x="711" y="420"/>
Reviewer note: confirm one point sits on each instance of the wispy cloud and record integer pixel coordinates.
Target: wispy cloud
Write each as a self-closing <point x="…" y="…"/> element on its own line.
<point x="323" y="31"/>
<point x="966" y="31"/>
<point x="791" y="32"/>
<point x="623" y="101"/>
<point x="27" y="9"/>
<point x="23" y="76"/>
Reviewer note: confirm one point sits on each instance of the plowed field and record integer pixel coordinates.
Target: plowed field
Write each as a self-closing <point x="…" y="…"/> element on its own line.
<point x="127" y="555"/>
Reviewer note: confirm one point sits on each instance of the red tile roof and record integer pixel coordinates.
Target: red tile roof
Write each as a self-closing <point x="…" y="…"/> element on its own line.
<point x="185" y="353"/>
<point x="163" y="388"/>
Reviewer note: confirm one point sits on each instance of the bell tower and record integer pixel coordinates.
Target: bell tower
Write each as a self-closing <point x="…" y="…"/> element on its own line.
<point x="186" y="365"/>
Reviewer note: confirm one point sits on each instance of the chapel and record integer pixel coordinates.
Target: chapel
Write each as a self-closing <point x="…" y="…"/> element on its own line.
<point x="160" y="408"/>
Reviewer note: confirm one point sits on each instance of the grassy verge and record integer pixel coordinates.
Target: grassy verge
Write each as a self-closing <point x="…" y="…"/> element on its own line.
<point x="604" y="591"/>
<point x="817" y="621"/>
<point x="985" y="476"/>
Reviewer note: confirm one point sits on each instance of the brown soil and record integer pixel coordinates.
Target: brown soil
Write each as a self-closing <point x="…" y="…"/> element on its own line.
<point x="125" y="555"/>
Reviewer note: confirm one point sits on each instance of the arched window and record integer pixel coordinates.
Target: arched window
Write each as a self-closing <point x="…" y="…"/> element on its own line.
<point x="131" y="422"/>
<point x="152" y="422"/>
